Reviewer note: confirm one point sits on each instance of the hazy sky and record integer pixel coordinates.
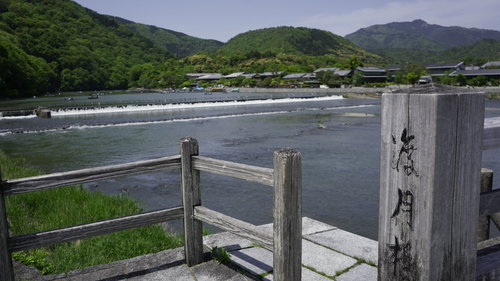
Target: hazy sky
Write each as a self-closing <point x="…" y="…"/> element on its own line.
<point x="224" y="19"/>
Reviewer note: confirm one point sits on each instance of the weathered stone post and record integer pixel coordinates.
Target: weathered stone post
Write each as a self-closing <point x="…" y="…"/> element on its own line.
<point x="287" y="215"/>
<point x="43" y="112"/>
<point x="429" y="184"/>
<point x="191" y="197"/>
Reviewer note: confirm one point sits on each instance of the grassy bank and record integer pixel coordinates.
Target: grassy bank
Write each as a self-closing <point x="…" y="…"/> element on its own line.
<point x="73" y="205"/>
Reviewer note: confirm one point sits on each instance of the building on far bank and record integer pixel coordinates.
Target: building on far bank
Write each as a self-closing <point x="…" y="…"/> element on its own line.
<point x="323" y="69"/>
<point x="442" y="69"/>
<point x="197" y="75"/>
<point x="392" y="70"/>
<point x="234" y="75"/>
<point x="372" y="74"/>
<point x="295" y="76"/>
<point x="210" y="77"/>
<point x="335" y="70"/>
<point x="488" y="73"/>
<point x="491" y="64"/>
<point x="342" y="73"/>
<point x="302" y="78"/>
<point x="264" y="75"/>
<point x="249" y="75"/>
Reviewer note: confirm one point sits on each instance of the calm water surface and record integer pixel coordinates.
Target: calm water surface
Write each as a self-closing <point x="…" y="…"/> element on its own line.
<point x="340" y="162"/>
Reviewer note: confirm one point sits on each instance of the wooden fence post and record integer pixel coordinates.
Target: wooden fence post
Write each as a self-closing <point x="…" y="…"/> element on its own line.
<point x="287" y="211"/>
<point x="483" y="232"/>
<point x="6" y="269"/>
<point x="191" y="197"/>
<point x="429" y="184"/>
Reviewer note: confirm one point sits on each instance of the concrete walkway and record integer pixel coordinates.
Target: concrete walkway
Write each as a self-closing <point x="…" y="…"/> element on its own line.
<point x="328" y="253"/>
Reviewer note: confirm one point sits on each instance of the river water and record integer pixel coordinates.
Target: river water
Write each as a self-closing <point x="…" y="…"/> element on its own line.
<point x="339" y="140"/>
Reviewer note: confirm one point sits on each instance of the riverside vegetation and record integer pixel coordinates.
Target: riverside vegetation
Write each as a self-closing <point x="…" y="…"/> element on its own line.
<point x="73" y="205"/>
<point x="57" y="45"/>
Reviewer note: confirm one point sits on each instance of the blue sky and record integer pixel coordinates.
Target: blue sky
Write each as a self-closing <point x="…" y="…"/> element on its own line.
<point x="224" y="19"/>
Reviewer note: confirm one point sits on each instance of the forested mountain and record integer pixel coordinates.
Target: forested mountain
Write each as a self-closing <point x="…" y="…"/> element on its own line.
<point x="71" y="47"/>
<point x="477" y="53"/>
<point x="294" y="40"/>
<point x="418" y="35"/>
<point x="416" y="41"/>
<point x="172" y="41"/>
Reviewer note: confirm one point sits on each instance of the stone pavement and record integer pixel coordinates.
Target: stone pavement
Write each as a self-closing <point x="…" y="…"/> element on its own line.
<point x="328" y="253"/>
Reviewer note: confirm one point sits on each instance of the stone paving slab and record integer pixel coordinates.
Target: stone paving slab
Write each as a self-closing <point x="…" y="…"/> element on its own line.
<point x="323" y="259"/>
<point x="307" y="275"/>
<point x="232" y="242"/>
<point x="309" y="226"/>
<point x="362" y="272"/>
<point x="257" y="261"/>
<point x="214" y="271"/>
<point x="348" y="243"/>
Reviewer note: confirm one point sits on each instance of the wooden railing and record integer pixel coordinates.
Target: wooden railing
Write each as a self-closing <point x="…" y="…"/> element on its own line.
<point x="489" y="204"/>
<point x="285" y="178"/>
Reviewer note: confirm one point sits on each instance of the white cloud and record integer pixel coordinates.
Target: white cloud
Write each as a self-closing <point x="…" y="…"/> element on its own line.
<point x="466" y="13"/>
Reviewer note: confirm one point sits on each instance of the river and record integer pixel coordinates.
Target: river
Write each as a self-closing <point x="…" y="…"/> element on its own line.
<point x="339" y="140"/>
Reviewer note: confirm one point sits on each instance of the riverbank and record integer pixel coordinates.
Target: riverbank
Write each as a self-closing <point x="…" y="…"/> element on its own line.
<point x="73" y="205"/>
<point x="359" y="92"/>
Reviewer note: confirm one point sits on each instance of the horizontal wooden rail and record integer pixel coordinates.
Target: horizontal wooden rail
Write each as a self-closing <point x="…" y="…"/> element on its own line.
<point x="489" y="202"/>
<point x="491" y="135"/>
<point x="235" y="170"/>
<point x="40" y="239"/>
<point x="238" y="227"/>
<point x="30" y="184"/>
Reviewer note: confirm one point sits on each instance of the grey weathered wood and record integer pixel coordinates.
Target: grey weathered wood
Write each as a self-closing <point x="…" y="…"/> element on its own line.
<point x="488" y="243"/>
<point x="488" y="263"/>
<point x="490" y="203"/>
<point x="40" y="239"/>
<point x="238" y="227"/>
<point x="483" y="231"/>
<point x="491" y="137"/>
<point x="6" y="269"/>
<point x="191" y="197"/>
<point x="235" y="170"/>
<point x="30" y="184"/>
<point x="429" y="184"/>
<point x="287" y="215"/>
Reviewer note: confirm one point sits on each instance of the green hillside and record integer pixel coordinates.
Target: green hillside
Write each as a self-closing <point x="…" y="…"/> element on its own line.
<point x="172" y="41"/>
<point x="21" y="72"/>
<point x="293" y="40"/>
<point x="76" y="48"/>
<point x="477" y="53"/>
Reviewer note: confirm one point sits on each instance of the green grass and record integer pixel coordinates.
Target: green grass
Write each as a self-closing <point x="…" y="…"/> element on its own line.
<point x="73" y="205"/>
<point x="221" y="255"/>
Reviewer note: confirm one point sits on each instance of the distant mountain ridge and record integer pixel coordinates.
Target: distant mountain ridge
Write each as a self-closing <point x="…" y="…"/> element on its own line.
<point x="418" y="34"/>
<point x="175" y="42"/>
<point x="420" y="41"/>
